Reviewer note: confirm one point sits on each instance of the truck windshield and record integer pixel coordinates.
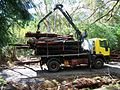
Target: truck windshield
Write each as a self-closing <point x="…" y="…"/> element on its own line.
<point x="103" y="43"/>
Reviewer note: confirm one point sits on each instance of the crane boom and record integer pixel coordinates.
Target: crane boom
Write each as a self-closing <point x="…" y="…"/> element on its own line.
<point x="67" y="16"/>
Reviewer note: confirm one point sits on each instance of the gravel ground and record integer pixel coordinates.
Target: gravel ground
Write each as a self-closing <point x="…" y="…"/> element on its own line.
<point x="33" y="78"/>
<point x="81" y="72"/>
<point x="34" y="71"/>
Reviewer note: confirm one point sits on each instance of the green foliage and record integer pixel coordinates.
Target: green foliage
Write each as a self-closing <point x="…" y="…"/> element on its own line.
<point x="13" y="9"/>
<point x="117" y="33"/>
<point x="100" y="30"/>
<point x="4" y="32"/>
<point x="2" y="81"/>
<point x="10" y="12"/>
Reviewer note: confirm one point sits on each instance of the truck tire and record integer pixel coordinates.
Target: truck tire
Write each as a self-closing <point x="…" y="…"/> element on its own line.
<point x="53" y="65"/>
<point x="98" y="63"/>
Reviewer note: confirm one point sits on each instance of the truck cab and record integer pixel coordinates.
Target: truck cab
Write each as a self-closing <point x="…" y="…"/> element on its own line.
<point x="100" y="51"/>
<point x="99" y="46"/>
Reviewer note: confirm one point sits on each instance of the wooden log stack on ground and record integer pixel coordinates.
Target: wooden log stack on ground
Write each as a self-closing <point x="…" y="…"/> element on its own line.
<point x="75" y="84"/>
<point x="115" y="55"/>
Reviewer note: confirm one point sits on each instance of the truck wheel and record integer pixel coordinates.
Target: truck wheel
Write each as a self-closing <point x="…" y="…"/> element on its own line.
<point x="53" y="65"/>
<point x="98" y="63"/>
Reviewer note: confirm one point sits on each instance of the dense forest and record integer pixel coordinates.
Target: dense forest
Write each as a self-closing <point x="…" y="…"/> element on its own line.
<point x="100" y="18"/>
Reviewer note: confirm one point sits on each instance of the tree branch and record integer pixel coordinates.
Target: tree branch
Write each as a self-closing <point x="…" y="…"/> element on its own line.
<point x="110" y="16"/>
<point x="107" y="12"/>
<point x="75" y="9"/>
<point x="96" y="10"/>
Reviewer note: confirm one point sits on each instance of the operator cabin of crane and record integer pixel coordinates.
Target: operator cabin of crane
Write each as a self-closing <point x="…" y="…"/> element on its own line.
<point x="87" y="45"/>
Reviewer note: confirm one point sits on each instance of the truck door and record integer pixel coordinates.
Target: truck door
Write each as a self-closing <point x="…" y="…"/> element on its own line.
<point x="104" y="48"/>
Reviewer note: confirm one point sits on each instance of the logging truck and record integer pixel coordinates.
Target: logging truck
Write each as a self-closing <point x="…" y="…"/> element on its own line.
<point x="57" y="51"/>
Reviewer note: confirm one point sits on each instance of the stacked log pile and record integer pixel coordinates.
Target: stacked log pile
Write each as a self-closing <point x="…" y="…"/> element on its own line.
<point x="75" y="84"/>
<point x="115" y="55"/>
<point x="53" y="44"/>
<point x="54" y="48"/>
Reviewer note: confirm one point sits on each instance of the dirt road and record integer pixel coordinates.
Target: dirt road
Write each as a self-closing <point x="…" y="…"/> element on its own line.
<point x="32" y="71"/>
<point x="80" y="71"/>
<point x="34" y="76"/>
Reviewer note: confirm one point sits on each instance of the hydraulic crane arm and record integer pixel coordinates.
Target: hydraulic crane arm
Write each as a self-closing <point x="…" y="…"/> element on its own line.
<point x="68" y="17"/>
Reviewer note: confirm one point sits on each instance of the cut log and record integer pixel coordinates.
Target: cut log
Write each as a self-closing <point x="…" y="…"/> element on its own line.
<point x="26" y="62"/>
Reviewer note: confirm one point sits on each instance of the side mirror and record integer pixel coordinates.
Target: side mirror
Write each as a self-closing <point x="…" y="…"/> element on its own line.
<point x="106" y="46"/>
